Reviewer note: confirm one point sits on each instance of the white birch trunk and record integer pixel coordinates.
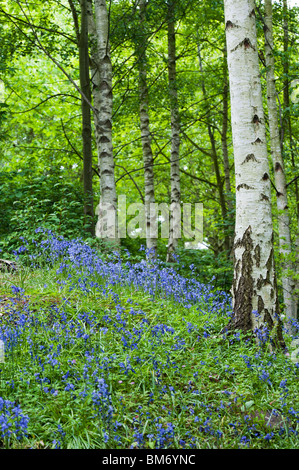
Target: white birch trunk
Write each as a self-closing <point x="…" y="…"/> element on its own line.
<point x="288" y="283"/>
<point x="254" y="288"/>
<point x="149" y="188"/>
<point x="175" y="190"/>
<point x="101" y="72"/>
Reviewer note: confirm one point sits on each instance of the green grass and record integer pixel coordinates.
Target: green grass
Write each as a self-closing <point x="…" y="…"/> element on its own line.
<point x="96" y="363"/>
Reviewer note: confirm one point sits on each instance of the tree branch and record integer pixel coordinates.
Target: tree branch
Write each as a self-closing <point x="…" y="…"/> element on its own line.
<point x="74" y="149"/>
<point x="49" y="55"/>
<point x="130" y="176"/>
<point x="44" y="101"/>
<point x="293" y="180"/>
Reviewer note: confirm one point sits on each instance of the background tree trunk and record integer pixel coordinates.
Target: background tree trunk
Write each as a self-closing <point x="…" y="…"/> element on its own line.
<point x="175" y="191"/>
<point x="287" y="124"/>
<point x="214" y="155"/>
<point x="288" y="283"/>
<point x="86" y="120"/>
<point x="228" y="189"/>
<point x="254" y="290"/>
<point x="149" y="187"/>
<point x="83" y="45"/>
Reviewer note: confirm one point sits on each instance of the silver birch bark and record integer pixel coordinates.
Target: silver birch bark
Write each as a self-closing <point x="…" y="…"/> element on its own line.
<point x="288" y="283"/>
<point x="255" y="302"/>
<point x="101" y="71"/>
<point x="149" y="188"/>
<point x="175" y="184"/>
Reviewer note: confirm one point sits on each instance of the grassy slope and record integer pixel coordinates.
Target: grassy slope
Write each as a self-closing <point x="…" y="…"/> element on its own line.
<point x="105" y="354"/>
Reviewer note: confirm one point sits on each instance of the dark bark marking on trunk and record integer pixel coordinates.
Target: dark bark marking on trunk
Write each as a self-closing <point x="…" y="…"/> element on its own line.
<point x="272" y="293"/>
<point x="260" y="304"/>
<point x="104" y="139"/>
<point x="243" y="185"/>
<point x="246" y="43"/>
<point x="104" y="124"/>
<point x="257" y="255"/>
<point x="260" y="282"/>
<point x="238" y="265"/>
<point x="108" y="188"/>
<point x="269" y="264"/>
<point x="249" y="157"/>
<point x="256" y="119"/>
<point x="268" y="319"/>
<point x="243" y="292"/>
<point x="229" y="24"/>
<point x="104" y="86"/>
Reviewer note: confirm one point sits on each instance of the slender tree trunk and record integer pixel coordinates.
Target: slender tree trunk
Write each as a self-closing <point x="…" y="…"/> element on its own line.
<point x="229" y="196"/>
<point x="214" y="155"/>
<point x="149" y="188"/>
<point x="175" y="196"/>
<point x="224" y="135"/>
<point x="101" y="71"/>
<point x="288" y="283"/>
<point x="287" y="125"/>
<point x="285" y="63"/>
<point x="86" y="120"/>
<point x="255" y="302"/>
<point x="82" y="40"/>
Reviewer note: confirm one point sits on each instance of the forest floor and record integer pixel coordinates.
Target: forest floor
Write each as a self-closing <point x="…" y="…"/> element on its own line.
<point x="102" y="353"/>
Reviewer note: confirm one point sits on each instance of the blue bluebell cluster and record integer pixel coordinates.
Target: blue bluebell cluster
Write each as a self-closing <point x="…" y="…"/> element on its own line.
<point x="83" y="369"/>
<point x="152" y="276"/>
<point x="13" y="421"/>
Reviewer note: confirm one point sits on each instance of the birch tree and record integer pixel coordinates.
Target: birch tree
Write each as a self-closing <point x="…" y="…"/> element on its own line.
<point x="288" y="283"/>
<point x="254" y="290"/>
<point x="149" y="187"/>
<point x="175" y="189"/>
<point x="101" y="71"/>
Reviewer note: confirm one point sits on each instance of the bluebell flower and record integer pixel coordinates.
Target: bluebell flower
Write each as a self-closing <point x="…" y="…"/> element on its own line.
<point x="12" y="420"/>
<point x="244" y="440"/>
<point x="68" y="387"/>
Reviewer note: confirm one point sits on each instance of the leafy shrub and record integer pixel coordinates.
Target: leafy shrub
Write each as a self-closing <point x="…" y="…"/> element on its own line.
<point x="30" y="200"/>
